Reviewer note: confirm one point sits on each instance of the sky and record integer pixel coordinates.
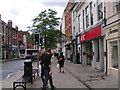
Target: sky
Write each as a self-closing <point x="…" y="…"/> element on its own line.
<point x="21" y="12"/>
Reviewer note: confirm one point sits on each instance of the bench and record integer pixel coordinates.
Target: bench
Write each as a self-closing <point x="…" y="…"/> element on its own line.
<point x="25" y="79"/>
<point x="22" y="82"/>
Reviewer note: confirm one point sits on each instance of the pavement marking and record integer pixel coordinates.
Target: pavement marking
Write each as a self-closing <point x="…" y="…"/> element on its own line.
<point x="9" y="75"/>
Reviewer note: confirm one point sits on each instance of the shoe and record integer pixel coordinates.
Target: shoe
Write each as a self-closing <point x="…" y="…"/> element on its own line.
<point x="47" y="86"/>
<point x="52" y="87"/>
<point x="63" y="71"/>
<point x="43" y="88"/>
<point x="59" y="71"/>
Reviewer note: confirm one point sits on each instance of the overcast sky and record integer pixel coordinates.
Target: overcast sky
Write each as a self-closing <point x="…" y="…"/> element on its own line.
<point x="21" y="12"/>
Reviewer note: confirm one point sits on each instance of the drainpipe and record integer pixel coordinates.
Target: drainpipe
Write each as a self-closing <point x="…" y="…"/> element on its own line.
<point x="76" y="50"/>
<point x="106" y="59"/>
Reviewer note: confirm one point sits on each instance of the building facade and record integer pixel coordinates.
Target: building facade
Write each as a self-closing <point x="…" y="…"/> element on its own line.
<point x="112" y="29"/>
<point x="11" y="41"/>
<point x="62" y="28"/>
<point x="89" y="19"/>
<point x="96" y="30"/>
<point x="8" y="40"/>
<point x="68" y="29"/>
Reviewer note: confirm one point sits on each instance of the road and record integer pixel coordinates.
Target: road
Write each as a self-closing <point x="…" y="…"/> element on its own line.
<point x="10" y="68"/>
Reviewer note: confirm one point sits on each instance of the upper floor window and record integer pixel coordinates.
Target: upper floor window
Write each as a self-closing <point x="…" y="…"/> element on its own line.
<point x="73" y="15"/>
<point x="91" y="13"/>
<point x="87" y="16"/>
<point x="118" y="5"/>
<point x="83" y="20"/>
<point x="100" y="11"/>
<point x="79" y="23"/>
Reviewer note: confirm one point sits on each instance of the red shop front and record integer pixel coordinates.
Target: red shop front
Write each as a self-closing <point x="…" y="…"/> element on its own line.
<point x="87" y="45"/>
<point x="93" y="33"/>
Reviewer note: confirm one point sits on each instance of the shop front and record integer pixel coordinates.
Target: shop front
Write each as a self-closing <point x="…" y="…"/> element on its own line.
<point x="92" y="48"/>
<point x="15" y="51"/>
<point x="112" y="49"/>
<point x="68" y="50"/>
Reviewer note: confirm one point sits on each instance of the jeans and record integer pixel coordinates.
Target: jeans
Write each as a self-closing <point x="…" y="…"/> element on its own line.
<point x="47" y="77"/>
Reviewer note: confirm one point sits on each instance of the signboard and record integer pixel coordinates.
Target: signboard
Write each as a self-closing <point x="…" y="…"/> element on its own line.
<point x="95" y="32"/>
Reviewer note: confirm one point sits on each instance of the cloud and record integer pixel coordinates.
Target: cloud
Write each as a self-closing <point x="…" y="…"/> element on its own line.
<point x="52" y="4"/>
<point x="21" y="12"/>
<point x="14" y="12"/>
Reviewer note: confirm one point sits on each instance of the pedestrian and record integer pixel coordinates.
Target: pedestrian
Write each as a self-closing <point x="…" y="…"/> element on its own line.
<point x="32" y="58"/>
<point x="46" y="62"/>
<point x="61" y="61"/>
<point x="41" y="54"/>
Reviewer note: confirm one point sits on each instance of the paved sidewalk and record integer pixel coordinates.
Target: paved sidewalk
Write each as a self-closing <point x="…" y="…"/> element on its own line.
<point x="61" y="80"/>
<point x="91" y="77"/>
<point x="72" y="78"/>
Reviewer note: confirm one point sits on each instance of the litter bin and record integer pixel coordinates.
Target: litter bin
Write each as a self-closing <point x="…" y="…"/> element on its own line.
<point x="28" y="70"/>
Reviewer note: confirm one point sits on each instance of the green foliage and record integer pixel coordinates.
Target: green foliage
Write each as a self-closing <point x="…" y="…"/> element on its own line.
<point x="30" y="38"/>
<point x="46" y="23"/>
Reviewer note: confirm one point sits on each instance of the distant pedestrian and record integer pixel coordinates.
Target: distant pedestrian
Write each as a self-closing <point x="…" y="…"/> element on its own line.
<point x="47" y="67"/>
<point x="61" y="61"/>
<point x="32" y="58"/>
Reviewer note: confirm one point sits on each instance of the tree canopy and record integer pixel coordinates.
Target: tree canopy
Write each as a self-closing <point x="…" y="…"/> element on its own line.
<point x="46" y="24"/>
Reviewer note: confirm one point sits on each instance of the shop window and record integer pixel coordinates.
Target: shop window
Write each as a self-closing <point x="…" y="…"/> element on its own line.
<point x="98" y="54"/>
<point x="114" y="52"/>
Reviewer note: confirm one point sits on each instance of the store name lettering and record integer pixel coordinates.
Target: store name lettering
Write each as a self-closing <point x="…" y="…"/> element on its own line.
<point x="112" y="31"/>
<point x="83" y="37"/>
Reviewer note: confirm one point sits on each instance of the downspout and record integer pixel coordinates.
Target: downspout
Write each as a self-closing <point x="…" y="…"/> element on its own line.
<point x="76" y="50"/>
<point x="106" y="59"/>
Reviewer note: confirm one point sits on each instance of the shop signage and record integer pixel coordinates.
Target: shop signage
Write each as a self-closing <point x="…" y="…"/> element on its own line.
<point x="95" y="32"/>
<point x="111" y="31"/>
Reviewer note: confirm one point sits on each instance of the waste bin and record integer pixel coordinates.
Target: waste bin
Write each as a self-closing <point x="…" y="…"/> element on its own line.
<point x="28" y="69"/>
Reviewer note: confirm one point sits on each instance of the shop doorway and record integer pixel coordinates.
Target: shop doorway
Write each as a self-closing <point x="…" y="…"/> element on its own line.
<point x="114" y="55"/>
<point x="89" y="56"/>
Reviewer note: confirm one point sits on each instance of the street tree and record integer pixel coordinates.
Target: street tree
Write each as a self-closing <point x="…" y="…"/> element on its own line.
<point x="46" y="24"/>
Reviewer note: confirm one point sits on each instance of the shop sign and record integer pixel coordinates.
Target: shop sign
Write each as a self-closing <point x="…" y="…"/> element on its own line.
<point x="111" y="31"/>
<point x="93" y="33"/>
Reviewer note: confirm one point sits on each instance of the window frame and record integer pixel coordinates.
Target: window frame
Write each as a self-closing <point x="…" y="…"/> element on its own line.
<point x="100" y="10"/>
<point x="117" y="5"/>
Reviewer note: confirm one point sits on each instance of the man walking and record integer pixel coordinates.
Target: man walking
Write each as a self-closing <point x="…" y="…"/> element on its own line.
<point x="46" y="62"/>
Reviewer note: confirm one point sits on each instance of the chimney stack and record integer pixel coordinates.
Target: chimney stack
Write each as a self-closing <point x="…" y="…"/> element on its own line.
<point x="10" y="23"/>
<point x="16" y="27"/>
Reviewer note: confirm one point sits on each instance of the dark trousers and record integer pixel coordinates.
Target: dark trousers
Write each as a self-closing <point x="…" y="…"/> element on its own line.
<point x="43" y="76"/>
<point x="47" y="77"/>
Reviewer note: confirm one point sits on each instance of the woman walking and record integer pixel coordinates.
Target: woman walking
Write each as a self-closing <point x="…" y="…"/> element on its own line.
<point x="61" y="62"/>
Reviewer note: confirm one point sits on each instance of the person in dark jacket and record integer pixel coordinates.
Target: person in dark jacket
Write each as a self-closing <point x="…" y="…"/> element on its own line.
<point x="41" y="54"/>
<point x="61" y="62"/>
<point x="46" y="62"/>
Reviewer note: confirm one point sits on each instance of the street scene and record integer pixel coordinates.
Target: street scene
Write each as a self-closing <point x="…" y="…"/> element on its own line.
<point x="65" y="45"/>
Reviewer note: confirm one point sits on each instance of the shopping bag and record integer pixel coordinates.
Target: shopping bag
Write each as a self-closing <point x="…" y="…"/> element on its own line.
<point x="57" y="65"/>
<point x="39" y="69"/>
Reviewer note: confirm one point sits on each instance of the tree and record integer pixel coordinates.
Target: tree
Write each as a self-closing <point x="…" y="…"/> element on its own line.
<point x="30" y="38"/>
<point x="46" y="23"/>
